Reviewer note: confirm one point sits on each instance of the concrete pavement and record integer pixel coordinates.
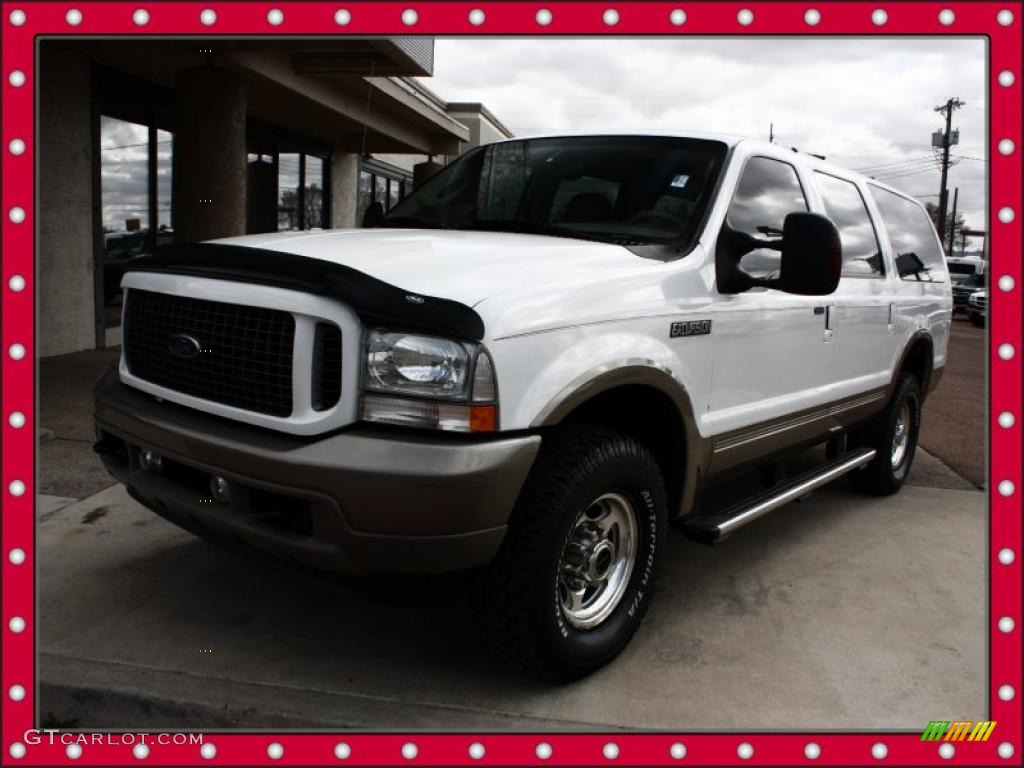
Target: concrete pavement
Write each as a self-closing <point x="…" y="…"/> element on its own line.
<point x="840" y="612"/>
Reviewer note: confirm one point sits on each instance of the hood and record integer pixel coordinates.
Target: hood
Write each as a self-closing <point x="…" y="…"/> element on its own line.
<point x="462" y="266"/>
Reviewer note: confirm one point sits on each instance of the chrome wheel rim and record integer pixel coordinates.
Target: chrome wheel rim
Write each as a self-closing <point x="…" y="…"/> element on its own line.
<point x="597" y="561"/>
<point x="901" y="436"/>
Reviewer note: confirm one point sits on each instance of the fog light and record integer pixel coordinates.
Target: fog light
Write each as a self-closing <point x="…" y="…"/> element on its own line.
<point x="219" y="489"/>
<point x="151" y="461"/>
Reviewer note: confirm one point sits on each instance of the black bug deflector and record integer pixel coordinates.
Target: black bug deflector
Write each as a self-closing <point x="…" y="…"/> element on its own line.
<point x="375" y="301"/>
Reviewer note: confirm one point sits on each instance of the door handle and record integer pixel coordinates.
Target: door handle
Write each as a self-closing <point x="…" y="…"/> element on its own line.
<point x="830" y="320"/>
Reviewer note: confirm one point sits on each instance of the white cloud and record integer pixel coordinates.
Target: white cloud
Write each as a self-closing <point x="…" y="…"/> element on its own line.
<point x="862" y="102"/>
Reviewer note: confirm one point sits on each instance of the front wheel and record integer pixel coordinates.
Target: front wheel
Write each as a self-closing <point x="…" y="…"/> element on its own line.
<point x="576" y="571"/>
<point x="893" y="434"/>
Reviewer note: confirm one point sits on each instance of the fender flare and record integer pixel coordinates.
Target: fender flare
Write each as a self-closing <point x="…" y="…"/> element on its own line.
<point x="642" y="372"/>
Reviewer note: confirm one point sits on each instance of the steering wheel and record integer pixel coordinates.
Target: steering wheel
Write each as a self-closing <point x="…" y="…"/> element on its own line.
<point x="658" y="220"/>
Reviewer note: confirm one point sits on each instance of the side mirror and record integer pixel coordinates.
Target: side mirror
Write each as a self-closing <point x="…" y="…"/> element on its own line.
<point x="374" y="213"/>
<point x="812" y="255"/>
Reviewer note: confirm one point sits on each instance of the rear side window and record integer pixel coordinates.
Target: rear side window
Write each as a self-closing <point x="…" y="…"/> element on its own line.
<point x="767" y="191"/>
<point x="918" y="253"/>
<point x="862" y="256"/>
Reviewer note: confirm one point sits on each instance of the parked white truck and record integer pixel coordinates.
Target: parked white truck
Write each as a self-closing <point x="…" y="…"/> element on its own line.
<point x="530" y="366"/>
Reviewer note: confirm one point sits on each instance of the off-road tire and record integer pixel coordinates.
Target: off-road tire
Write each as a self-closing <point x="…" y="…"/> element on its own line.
<point x="977" y="320"/>
<point x="518" y="596"/>
<point x="879" y="477"/>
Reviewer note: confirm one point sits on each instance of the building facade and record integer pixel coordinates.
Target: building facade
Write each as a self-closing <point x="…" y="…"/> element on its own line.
<point x="147" y="142"/>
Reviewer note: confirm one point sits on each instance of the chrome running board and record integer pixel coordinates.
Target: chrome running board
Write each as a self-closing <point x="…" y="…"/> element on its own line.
<point x="712" y="528"/>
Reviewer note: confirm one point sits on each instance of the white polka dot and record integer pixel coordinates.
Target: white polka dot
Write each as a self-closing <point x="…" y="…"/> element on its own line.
<point x="16" y="419"/>
<point x="275" y="751"/>
<point x="17" y="750"/>
<point x="342" y="17"/>
<point x="410" y="750"/>
<point x="16" y="692"/>
<point x="677" y="751"/>
<point x="1005" y="750"/>
<point x="878" y="18"/>
<point x="745" y="750"/>
<point x="544" y="17"/>
<point x="73" y="17"/>
<point x="1006" y="215"/>
<point x="342" y="751"/>
<point x="1006" y="693"/>
<point x="208" y="751"/>
<point x="409" y="17"/>
<point x="16" y="146"/>
<point x="1006" y="283"/>
<point x="17" y="556"/>
<point x="1006" y="556"/>
<point x="1005" y="17"/>
<point x="946" y="17"/>
<point x="275" y="16"/>
<point x="1006" y="420"/>
<point x="17" y="351"/>
<point x="140" y="751"/>
<point x="812" y="17"/>
<point x="477" y="17"/>
<point x="17" y="625"/>
<point x="208" y="17"/>
<point x="1006" y="78"/>
<point x="17" y="17"/>
<point x="141" y="18"/>
<point x="610" y="17"/>
<point x="1006" y="488"/>
<point x="1006" y="146"/>
<point x="1006" y="625"/>
<point x="543" y="750"/>
<point x="73" y="751"/>
<point x="1006" y="351"/>
<point x="16" y="487"/>
<point x="476" y="750"/>
<point x="812" y="751"/>
<point x="610" y="751"/>
<point x="946" y="751"/>
<point x="16" y="283"/>
<point x="677" y="17"/>
<point x="16" y="214"/>
<point x="745" y="17"/>
<point x="879" y="751"/>
<point x="16" y="78"/>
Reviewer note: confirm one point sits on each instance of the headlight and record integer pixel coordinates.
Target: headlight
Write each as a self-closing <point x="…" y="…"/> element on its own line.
<point x="441" y="383"/>
<point x="416" y="365"/>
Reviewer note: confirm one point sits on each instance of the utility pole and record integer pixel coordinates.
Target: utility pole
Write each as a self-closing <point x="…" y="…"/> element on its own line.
<point x="952" y="220"/>
<point x="771" y="133"/>
<point x="946" y="139"/>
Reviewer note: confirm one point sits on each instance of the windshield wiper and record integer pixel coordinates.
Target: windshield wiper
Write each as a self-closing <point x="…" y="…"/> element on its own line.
<point x="538" y="228"/>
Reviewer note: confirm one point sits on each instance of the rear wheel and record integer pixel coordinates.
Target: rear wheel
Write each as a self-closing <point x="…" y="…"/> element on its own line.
<point x="576" y="571"/>
<point x="893" y="434"/>
<point x="978" y="320"/>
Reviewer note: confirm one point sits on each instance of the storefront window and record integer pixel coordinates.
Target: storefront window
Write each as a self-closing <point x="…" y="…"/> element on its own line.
<point x="381" y="183"/>
<point x="314" y="193"/>
<point x="135" y="200"/>
<point x="288" y="164"/>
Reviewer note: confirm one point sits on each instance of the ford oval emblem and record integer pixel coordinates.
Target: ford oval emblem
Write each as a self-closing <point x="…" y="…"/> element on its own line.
<point x="184" y="346"/>
<point x="413" y="298"/>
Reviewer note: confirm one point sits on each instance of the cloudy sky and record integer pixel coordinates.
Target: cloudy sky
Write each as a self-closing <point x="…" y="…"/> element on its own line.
<point x="865" y="103"/>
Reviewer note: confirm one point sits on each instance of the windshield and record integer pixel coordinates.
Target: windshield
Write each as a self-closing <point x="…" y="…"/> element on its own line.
<point x="622" y="189"/>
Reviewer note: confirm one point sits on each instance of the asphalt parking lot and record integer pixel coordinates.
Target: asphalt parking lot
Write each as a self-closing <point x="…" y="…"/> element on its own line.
<point x="837" y="612"/>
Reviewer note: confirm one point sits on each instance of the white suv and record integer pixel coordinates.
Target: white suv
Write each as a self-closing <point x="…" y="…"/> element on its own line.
<point x="530" y="366"/>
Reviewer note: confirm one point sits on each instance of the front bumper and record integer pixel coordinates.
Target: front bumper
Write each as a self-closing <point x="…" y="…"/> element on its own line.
<point x="360" y="501"/>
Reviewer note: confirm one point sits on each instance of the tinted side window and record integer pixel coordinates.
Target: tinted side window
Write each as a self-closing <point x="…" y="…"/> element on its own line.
<point x="862" y="256"/>
<point x="918" y="254"/>
<point x="767" y="191"/>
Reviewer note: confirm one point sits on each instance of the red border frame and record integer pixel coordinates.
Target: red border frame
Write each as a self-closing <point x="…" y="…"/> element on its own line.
<point x="441" y="18"/>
